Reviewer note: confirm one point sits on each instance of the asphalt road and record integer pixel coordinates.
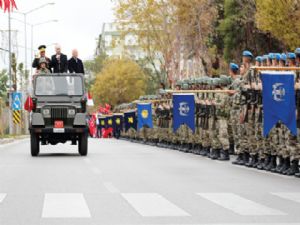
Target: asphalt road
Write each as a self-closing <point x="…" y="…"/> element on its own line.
<point x="123" y="183"/>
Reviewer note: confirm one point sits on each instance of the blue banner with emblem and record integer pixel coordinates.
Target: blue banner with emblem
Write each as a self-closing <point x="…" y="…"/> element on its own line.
<point x="183" y="111"/>
<point x="279" y="100"/>
<point x="130" y="121"/>
<point x="118" y="121"/>
<point x="144" y="115"/>
<point x="109" y="122"/>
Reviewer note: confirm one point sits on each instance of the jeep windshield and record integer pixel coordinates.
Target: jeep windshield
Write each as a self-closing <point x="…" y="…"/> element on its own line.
<point x="60" y="85"/>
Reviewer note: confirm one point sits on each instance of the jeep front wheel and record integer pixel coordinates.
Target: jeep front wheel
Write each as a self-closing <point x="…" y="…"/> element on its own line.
<point x="83" y="144"/>
<point x="34" y="144"/>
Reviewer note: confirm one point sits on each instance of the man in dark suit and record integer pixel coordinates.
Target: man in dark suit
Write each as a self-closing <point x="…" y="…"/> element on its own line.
<point x="75" y="64"/>
<point x="59" y="61"/>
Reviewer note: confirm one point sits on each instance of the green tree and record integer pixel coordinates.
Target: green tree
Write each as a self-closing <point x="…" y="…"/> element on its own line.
<point x="3" y="84"/>
<point x="120" y="81"/>
<point x="281" y="19"/>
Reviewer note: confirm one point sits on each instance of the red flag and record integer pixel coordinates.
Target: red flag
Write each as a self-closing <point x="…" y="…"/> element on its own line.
<point x="93" y="126"/>
<point x="28" y="106"/>
<point x="90" y="101"/>
<point x="8" y="5"/>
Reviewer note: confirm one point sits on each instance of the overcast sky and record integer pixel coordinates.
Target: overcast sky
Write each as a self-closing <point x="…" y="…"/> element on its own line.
<point x="79" y="24"/>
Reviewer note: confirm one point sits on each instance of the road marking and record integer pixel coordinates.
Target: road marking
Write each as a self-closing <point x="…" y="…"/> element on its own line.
<point x="239" y="204"/>
<point x="110" y="187"/>
<point x="67" y="205"/>
<point x="153" y="205"/>
<point x="2" y="197"/>
<point x="290" y="196"/>
<point x="96" y="170"/>
<point x="87" y="160"/>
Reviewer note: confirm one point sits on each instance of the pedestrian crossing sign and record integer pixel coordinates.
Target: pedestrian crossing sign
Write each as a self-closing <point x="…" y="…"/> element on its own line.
<point x="16" y="101"/>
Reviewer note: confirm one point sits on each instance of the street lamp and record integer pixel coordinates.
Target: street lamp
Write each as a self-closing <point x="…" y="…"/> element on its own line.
<point x="35" y="25"/>
<point x="25" y="26"/>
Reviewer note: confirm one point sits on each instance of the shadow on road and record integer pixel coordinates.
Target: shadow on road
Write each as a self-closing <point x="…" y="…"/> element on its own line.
<point x="59" y="155"/>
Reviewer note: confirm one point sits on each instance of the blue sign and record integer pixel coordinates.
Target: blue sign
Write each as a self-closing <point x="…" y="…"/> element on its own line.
<point x="130" y="121"/>
<point x="144" y="115"/>
<point x="279" y="100"/>
<point x="16" y="101"/>
<point x="183" y="111"/>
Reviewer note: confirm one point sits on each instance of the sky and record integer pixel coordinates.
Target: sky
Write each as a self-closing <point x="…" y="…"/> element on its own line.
<point x="78" y="25"/>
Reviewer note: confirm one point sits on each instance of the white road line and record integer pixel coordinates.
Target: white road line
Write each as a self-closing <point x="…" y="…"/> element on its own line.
<point x="240" y="205"/>
<point x="87" y="160"/>
<point x="96" y="170"/>
<point x="2" y="197"/>
<point x="67" y="205"/>
<point x="293" y="196"/>
<point x="153" y="205"/>
<point x="110" y="187"/>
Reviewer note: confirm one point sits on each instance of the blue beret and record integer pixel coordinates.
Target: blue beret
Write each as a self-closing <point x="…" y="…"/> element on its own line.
<point x="271" y="56"/>
<point x="234" y="67"/>
<point x="283" y="57"/>
<point x="247" y="54"/>
<point x="277" y="56"/>
<point x="291" y="55"/>
<point x="259" y="59"/>
<point x="265" y="57"/>
<point x="297" y="51"/>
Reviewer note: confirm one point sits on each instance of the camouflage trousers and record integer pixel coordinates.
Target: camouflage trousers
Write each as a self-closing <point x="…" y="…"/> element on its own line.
<point x="293" y="147"/>
<point x="222" y="133"/>
<point x="234" y="122"/>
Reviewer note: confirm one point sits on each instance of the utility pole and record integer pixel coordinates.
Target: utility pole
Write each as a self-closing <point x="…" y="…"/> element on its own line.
<point x="10" y="76"/>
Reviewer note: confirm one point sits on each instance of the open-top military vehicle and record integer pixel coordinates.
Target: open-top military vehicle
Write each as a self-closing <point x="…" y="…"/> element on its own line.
<point x="59" y="112"/>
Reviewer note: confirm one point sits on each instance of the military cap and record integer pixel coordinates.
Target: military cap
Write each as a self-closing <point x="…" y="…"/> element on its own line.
<point x="283" y="57"/>
<point x="178" y="83"/>
<point x="185" y="86"/>
<point x="265" y="57"/>
<point x="291" y="55"/>
<point x="258" y="59"/>
<point x="216" y="81"/>
<point x="277" y="56"/>
<point x="297" y="52"/>
<point x="247" y="53"/>
<point x="42" y="48"/>
<point x="226" y="80"/>
<point x="234" y="66"/>
<point x="271" y="56"/>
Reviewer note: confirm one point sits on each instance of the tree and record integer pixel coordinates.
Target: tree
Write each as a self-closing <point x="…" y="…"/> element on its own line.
<point x="120" y="81"/>
<point x="281" y="19"/>
<point x="8" y="5"/>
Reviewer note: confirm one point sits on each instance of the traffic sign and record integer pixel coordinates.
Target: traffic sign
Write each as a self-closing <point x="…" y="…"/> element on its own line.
<point x="17" y="116"/>
<point x="16" y="101"/>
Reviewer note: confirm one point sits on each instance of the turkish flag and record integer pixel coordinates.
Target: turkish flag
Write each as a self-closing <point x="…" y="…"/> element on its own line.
<point x="8" y="5"/>
<point x="92" y="126"/>
<point x="28" y="106"/>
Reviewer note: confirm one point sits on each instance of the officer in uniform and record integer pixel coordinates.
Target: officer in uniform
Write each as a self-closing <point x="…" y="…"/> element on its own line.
<point x="36" y="61"/>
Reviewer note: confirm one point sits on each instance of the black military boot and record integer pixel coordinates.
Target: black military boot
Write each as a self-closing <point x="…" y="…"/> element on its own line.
<point x="238" y="159"/>
<point x="279" y="165"/>
<point x="245" y="159"/>
<point x="253" y="160"/>
<point x="216" y="154"/>
<point x="286" y="166"/>
<point x="266" y="162"/>
<point x="231" y="149"/>
<point x="224" y="155"/>
<point x="272" y="164"/>
<point x="294" y="169"/>
<point x="260" y="164"/>
<point x="198" y="149"/>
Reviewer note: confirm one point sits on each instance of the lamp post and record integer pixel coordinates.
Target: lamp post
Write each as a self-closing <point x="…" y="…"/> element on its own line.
<point x="32" y="40"/>
<point x="25" y="27"/>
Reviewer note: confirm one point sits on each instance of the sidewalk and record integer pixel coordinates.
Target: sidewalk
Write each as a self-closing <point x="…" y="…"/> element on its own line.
<point x="12" y="139"/>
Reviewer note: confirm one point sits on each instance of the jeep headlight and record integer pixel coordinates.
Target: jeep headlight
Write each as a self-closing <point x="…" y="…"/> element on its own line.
<point x="71" y="112"/>
<point x="46" y="112"/>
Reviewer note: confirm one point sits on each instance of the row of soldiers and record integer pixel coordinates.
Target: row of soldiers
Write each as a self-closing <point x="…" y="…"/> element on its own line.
<point x="229" y="119"/>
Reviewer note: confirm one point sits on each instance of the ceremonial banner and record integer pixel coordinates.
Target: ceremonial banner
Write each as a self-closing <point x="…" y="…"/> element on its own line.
<point x="109" y="122"/>
<point x="279" y="100"/>
<point x="183" y="111"/>
<point x="130" y="121"/>
<point x="144" y="115"/>
<point x="102" y="122"/>
<point x="118" y="121"/>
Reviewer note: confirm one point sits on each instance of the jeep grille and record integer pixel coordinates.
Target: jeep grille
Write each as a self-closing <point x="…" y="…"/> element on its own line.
<point x="59" y="113"/>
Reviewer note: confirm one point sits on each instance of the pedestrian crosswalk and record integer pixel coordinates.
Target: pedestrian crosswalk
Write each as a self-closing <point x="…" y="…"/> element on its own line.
<point x="76" y="205"/>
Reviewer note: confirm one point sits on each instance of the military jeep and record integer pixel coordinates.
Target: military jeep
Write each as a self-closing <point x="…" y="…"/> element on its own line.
<point x="59" y="112"/>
